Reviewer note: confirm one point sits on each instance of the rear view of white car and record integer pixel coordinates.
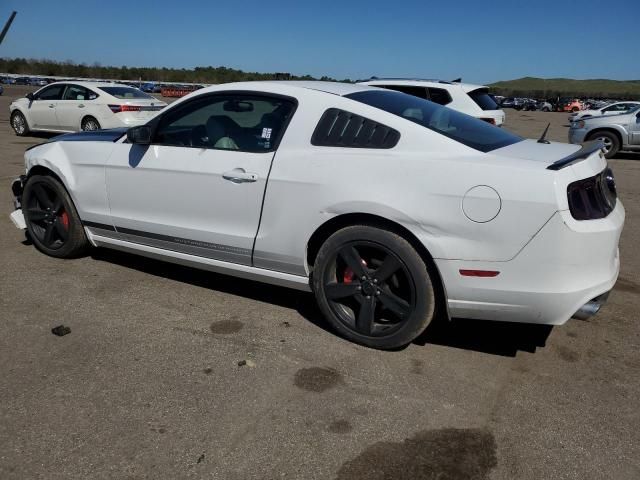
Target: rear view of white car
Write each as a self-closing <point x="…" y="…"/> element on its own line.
<point x="467" y="98"/>
<point x="73" y="106"/>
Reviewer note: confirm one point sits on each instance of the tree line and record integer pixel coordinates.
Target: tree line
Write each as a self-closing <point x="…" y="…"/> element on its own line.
<point x="51" y="68"/>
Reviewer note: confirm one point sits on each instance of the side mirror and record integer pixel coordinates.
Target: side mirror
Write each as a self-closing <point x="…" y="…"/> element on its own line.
<point x="30" y="96"/>
<point x="139" y="135"/>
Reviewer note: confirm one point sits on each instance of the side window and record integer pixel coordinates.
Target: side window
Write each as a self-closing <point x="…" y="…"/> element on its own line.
<point x="248" y="123"/>
<point x="75" y="92"/>
<point x="339" y="128"/>
<point x="420" y="92"/>
<point x="53" y="92"/>
<point x="439" y="95"/>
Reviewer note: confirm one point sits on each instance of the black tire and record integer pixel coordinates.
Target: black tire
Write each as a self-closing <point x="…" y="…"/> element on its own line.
<point x="373" y="287"/>
<point x="89" y="124"/>
<point x="610" y="140"/>
<point x="19" y="123"/>
<point x="546" y="109"/>
<point x="52" y="220"/>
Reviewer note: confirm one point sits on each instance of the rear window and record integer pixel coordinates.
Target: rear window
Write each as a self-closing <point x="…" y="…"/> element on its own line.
<point x="462" y="128"/>
<point x="125" y="92"/>
<point x="420" y="92"/>
<point x="483" y="99"/>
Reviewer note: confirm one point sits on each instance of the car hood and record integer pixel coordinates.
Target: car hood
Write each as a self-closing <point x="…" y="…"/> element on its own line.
<point x="530" y="149"/>
<point x="109" y="135"/>
<point x="619" y="118"/>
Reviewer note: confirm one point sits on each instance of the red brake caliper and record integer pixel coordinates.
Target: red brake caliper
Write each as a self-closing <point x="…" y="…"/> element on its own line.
<point x="64" y="218"/>
<point x="349" y="273"/>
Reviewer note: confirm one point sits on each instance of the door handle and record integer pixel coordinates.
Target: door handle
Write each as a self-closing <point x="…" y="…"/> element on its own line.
<point x="80" y="106"/>
<point x="52" y="106"/>
<point x="240" y="175"/>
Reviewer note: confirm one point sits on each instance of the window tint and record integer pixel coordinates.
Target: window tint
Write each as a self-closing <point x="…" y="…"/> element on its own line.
<point x="126" y="92"/>
<point x="338" y="128"/>
<point x="54" y="92"/>
<point x="439" y="96"/>
<point x="76" y="92"/>
<point x="420" y="92"/>
<point x="483" y="99"/>
<point x="459" y="127"/>
<point x="229" y="122"/>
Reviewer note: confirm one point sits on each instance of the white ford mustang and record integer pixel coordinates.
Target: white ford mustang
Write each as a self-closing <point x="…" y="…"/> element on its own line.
<point x="392" y="209"/>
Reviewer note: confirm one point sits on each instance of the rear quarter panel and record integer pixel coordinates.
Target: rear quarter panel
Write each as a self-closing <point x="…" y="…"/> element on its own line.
<point x="419" y="184"/>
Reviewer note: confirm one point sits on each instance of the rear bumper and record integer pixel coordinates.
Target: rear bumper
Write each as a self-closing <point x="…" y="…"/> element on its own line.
<point x="566" y="265"/>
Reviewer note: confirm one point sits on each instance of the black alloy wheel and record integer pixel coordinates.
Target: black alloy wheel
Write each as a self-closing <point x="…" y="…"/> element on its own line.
<point x="373" y="287"/>
<point x="51" y="218"/>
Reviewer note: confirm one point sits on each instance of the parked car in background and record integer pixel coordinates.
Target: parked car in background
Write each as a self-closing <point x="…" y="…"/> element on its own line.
<point x="610" y="109"/>
<point x="467" y="98"/>
<point x="529" y="105"/>
<point x="387" y="206"/>
<point x="22" y="81"/>
<point x="151" y="87"/>
<point x="1" y="90"/>
<point x="544" y="106"/>
<point x="73" y="106"/>
<point x="616" y="131"/>
<point x="7" y="80"/>
<point x="38" y="82"/>
<point x="569" y="105"/>
<point x="512" y="102"/>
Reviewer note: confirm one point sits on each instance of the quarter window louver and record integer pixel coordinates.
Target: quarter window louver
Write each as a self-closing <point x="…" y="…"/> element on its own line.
<point x="339" y="128"/>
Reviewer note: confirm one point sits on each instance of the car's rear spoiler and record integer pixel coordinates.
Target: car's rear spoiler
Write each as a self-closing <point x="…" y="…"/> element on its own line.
<point x="587" y="149"/>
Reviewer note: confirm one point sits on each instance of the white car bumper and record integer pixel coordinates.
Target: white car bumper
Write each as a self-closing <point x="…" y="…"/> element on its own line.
<point x="567" y="264"/>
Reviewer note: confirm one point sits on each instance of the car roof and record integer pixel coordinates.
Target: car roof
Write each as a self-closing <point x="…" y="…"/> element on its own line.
<point x="89" y="84"/>
<point x="335" y="88"/>
<point x="466" y="87"/>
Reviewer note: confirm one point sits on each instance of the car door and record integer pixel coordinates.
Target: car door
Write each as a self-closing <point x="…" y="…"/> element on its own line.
<point x="74" y="105"/>
<point x="42" y="110"/>
<point x="634" y="129"/>
<point x="198" y="187"/>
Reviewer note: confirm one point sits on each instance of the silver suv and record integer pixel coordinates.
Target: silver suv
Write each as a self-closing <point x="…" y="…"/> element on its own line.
<point x="617" y="132"/>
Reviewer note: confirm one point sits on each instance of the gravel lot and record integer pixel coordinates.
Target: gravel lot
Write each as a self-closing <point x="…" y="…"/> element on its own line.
<point x="147" y="385"/>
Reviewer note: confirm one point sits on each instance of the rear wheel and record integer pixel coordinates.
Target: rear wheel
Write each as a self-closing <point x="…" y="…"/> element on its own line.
<point x="373" y="287"/>
<point x="19" y="124"/>
<point x="610" y="141"/>
<point x="89" y="124"/>
<point x="575" y="109"/>
<point x="52" y="220"/>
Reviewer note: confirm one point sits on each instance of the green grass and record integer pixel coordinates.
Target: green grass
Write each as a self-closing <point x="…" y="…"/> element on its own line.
<point x="552" y="87"/>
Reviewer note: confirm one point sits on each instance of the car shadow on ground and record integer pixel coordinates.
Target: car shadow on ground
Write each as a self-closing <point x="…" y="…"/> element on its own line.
<point x="495" y="338"/>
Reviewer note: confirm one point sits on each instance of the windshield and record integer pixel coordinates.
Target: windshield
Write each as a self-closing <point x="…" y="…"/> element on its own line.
<point x="462" y="128"/>
<point x="126" y="92"/>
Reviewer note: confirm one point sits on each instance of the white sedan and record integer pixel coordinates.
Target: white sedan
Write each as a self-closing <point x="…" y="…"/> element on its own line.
<point x="392" y="209"/>
<point x="73" y="106"/>
<point x="611" y="109"/>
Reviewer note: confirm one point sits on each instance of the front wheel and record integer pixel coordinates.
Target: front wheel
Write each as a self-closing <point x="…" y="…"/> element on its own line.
<point x="52" y="220"/>
<point x="19" y="124"/>
<point x="373" y="287"/>
<point x="89" y="124"/>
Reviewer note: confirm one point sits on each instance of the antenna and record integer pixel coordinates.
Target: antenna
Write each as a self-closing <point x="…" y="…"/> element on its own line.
<point x="7" y="25"/>
<point x="543" y="139"/>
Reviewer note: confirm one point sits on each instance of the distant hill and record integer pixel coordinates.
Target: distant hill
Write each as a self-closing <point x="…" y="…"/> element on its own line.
<point x="553" y="87"/>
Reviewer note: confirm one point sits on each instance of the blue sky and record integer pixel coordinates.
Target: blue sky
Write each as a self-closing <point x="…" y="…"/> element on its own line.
<point x="481" y="41"/>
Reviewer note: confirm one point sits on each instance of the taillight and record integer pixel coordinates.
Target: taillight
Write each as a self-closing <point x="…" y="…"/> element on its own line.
<point x="125" y="108"/>
<point x="594" y="197"/>
<point x="492" y="121"/>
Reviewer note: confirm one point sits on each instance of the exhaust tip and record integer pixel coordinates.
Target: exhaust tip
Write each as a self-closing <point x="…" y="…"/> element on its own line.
<point x="590" y="308"/>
